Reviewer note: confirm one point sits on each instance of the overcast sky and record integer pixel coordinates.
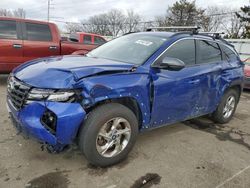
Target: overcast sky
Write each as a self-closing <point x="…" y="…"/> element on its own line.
<point x="77" y="10"/>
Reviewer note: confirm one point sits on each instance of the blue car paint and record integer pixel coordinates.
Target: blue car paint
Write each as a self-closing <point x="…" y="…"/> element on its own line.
<point x="70" y="68"/>
<point x="69" y="118"/>
<point x="135" y="86"/>
<point x="102" y="79"/>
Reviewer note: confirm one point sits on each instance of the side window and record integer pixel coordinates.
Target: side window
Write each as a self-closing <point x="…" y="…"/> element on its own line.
<point x="183" y="50"/>
<point x="98" y="40"/>
<point x="208" y="52"/>
<point x="228" y="53"/>
<point x="8" y="29"/>
<point x="38" y="32"/>
<point x="87" y="39"/>
<point x="73" y="38"/>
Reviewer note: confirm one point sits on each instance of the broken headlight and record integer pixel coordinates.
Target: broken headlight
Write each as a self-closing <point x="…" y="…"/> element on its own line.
<point x="54" y="95"/>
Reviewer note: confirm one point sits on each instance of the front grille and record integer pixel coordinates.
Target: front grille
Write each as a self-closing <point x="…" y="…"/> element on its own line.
<point x="17" y="92"/>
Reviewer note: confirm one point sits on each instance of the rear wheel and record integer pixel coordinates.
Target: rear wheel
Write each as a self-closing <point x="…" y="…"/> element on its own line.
<point x="108" y="134"/>
<point x="227" y="107"/>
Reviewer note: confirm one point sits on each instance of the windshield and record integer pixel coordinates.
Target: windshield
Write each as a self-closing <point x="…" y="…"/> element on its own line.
<point x="132" y="48"/>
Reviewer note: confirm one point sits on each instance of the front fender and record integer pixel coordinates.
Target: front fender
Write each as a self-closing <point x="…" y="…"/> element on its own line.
<point x="135" y="86"/>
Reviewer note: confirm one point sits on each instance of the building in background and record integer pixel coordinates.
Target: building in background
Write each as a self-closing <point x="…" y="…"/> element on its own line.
<point x="242" y="46"/>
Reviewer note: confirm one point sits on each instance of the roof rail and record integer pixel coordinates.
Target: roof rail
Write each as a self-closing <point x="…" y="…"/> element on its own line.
<point x="216" y="35"/>
<point x="194" y="29"/>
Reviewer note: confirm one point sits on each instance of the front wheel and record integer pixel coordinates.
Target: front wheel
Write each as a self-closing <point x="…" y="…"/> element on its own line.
<point x="227" y="107"/>
<point x="108" y="134"/>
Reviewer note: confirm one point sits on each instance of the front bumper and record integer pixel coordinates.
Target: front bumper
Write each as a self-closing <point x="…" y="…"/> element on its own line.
<point x="247" y="82"/>
<point x="69" y="118"/>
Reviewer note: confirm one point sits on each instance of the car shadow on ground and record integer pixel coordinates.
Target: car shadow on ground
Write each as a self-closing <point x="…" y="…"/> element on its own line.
<point x="222" y="132"/>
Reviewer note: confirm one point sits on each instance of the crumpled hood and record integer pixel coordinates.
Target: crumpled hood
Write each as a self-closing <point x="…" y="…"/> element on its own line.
<point x="64" y="71"/>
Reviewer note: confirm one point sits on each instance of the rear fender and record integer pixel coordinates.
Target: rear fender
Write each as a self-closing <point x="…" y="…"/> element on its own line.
<point x="231" y="81"/>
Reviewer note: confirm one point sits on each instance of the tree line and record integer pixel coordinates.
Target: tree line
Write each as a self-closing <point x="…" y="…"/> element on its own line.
<point x="18" y="13"/>
<point x="233" y="22"/>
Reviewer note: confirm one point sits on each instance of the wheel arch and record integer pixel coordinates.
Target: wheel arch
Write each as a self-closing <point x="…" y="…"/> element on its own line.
<point x="129" y="102"/>
<point x="235" y="86"/>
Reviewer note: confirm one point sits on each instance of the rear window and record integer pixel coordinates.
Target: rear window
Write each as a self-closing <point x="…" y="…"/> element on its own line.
<point x="87" y="39"/>
<point x="8" y="29"/>
<point x="99" y="40"/>
<point x="73" y="38"/>
<point x="38" y="32"/>
<point x="228" y="53"/>
<point x="208" y="52"/>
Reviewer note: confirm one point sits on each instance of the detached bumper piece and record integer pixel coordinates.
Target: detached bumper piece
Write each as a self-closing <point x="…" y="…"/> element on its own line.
<point x="52" y="123"/>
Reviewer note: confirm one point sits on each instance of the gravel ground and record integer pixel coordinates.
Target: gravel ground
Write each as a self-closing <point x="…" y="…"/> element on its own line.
<point x="195" y="153"/>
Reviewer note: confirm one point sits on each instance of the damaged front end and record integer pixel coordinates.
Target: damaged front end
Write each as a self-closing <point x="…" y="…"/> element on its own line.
<point x="51" y="117"/>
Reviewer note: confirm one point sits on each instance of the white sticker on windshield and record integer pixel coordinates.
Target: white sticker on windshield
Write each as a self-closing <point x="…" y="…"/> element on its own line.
<point x="144" y="42"/>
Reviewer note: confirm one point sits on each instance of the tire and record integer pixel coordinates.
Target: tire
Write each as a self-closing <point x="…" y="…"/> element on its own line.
<point x="102" y="120"/>
<point x="219" y="116"/>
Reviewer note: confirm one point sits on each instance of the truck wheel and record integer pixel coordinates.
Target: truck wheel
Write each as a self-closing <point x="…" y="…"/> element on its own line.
<point x="227" y="107"/>
<point x="108" y="134"/>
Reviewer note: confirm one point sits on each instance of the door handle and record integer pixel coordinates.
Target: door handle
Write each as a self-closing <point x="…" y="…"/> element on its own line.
<point x="17" y="46"/>
<point x="53" y="47"/>
<point x="194" y="81"/>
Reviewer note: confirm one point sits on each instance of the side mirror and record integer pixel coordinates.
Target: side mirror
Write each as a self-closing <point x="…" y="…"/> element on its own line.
<point x="64" y="38"/>
<point x="169" y="63"/>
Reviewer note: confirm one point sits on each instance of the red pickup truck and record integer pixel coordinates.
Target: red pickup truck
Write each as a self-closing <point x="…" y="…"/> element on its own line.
<point x="22" y="40"/>
<point x="87" y="38"/>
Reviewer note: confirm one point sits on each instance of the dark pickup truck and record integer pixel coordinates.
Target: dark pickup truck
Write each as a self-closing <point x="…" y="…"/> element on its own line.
<point x="22" y="40"/>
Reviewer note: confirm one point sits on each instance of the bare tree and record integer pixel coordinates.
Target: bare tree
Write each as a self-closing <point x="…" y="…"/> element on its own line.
<point x="113" y="23"/>
<point x="19" y="13"/>
<point x="97" y="24"/>
<point x="116" y="20"/>
<point x="132" y="21"/>
<point x="5" y="12"/>
<point x="232" y="25"/>
<point x="214" y="18"/>
<point x="73" y="27"/>
<point x="161" y="21"/>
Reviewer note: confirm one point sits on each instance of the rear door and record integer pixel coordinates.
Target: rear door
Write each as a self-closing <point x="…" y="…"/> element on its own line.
<point x="11" y="51"/>
<point x="231" y="68"/>
<point x="209" y="64"/>
<point x="38" y="41"/>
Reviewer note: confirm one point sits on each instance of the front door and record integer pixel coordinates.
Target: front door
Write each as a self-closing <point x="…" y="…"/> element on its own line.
<point x="11" y="45"/>
<point x="176" y="93"/>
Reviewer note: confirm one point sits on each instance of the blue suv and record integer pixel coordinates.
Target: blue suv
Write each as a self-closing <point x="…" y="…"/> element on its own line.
<point x="134" y="83"/>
